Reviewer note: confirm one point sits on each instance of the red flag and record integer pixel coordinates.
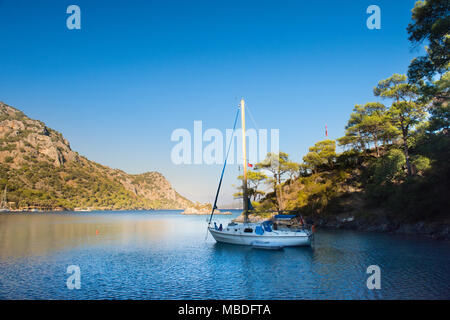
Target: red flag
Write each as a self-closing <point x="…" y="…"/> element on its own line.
<point x="326" y="131"/>
<point x="250" y="165"/>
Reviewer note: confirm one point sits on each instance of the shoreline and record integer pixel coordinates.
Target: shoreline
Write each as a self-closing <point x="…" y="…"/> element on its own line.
<point x="420" y="229"/>
<point x="228" y="212"/>
<point x="207" y="214"/>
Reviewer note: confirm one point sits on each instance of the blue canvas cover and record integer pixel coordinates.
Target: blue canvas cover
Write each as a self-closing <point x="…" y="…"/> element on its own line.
<point x="284" y="216"/>
<point x="267" y="225"/>
<point x="259" y="230"/>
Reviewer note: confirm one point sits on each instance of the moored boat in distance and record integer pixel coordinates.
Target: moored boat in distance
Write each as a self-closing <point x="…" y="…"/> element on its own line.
<point x="4" y="203"/>
<point x="83" y="209"/>
<point x="259" y="235"/>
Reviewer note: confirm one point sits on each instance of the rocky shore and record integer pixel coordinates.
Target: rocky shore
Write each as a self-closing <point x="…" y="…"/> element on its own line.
<point x="434" y="230"/>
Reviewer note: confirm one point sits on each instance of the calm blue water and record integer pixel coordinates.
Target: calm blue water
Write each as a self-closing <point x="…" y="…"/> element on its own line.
<point x="164" y="255"/>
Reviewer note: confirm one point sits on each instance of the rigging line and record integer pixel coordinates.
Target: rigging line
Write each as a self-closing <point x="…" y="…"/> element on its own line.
<point x="223" y="169"/>
<point x="251" y="117"/>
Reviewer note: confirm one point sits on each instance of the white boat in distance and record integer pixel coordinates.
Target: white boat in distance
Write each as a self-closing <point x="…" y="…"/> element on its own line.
<point x="259" y="235"/>
<point x="4" y="203"/>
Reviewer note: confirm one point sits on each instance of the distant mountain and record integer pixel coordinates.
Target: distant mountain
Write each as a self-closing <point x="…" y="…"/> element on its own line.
<point x="40" y="170"/>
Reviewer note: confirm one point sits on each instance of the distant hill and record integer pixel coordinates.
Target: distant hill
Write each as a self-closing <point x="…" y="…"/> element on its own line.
<point x="40" y="170"/>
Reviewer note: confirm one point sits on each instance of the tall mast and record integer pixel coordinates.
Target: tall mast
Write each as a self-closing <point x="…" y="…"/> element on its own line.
<point x="244" y="153"/>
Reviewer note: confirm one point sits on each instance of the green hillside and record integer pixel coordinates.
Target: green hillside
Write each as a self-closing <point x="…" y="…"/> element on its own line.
<point x="40" y="170"/>
<point x="393" y="171"/>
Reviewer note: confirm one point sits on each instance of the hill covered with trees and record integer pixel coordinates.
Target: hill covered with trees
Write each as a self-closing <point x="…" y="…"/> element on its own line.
<point x="40" y="170"/>
<point x="393" y="171"/>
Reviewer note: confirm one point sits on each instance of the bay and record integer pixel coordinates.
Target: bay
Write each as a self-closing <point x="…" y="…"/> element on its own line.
<point x="166" y="255"/>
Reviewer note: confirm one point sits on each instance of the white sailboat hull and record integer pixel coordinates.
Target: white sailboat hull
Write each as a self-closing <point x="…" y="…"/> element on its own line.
<point x="274" y="238"/>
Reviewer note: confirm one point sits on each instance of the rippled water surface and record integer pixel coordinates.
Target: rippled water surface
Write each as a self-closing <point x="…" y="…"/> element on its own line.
<point x="164" y="255"/>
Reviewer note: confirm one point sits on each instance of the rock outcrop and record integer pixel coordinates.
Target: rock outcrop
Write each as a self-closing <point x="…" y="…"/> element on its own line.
<point x="202" y="209"/>
<point x="433" y="230"/>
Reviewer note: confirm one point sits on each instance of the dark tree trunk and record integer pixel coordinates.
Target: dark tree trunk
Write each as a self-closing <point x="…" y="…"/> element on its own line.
<point x="376" y="145"/>
<point x="405" y="150"/>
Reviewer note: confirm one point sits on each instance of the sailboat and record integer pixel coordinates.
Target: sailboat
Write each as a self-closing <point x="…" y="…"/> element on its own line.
<point x="4" y="204"/>
<point x="258" y="235"/>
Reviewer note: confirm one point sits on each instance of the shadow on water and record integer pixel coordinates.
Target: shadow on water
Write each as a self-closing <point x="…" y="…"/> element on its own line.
<point x="225" y="248"/>
<point x="252" y="259"/>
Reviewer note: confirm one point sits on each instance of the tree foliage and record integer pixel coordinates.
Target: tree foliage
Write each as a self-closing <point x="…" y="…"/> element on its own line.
<point x="368" y="124"/>
<point x="406" y="111"/>
<point x="430" y="22"/>
<point x="408" y="179"/>
<point x="321" y="155"/>
<point x="254" y="180"/>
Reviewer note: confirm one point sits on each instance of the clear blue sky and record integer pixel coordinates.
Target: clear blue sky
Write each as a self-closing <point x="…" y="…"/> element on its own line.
<point x="137" y="70"/>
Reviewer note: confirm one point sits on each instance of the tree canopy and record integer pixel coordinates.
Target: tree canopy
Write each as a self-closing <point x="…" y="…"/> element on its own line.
<point x="368" y="124"/>
<point x="399" y="148"/>
<point x="321" y="154"/>
<point x="430" y="22"/>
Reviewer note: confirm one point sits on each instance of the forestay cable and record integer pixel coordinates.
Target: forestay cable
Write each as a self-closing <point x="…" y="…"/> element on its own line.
<point x="223" y="169"/>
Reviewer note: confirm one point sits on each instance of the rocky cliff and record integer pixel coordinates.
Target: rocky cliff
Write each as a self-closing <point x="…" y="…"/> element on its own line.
<point x="41" y="170"/>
